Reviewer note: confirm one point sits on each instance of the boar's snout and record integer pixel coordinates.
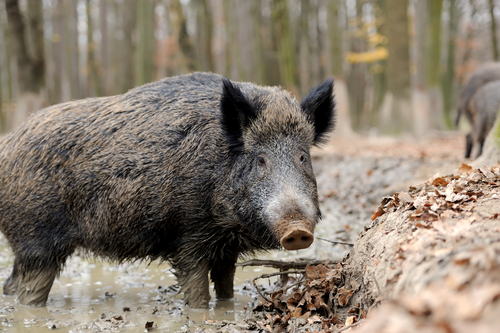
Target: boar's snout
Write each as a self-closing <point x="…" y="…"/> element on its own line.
<point x="297" y="238"/>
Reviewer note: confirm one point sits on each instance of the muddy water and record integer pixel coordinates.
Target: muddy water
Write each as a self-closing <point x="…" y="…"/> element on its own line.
<point x="92" y="294"/>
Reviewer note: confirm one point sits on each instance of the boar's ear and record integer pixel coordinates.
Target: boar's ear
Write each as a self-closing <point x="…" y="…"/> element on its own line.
<point x="319" y="106"/>
<point x="237" y="113"/>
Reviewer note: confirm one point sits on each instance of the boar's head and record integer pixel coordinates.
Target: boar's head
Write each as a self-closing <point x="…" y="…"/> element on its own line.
<point x="270" y="137"/>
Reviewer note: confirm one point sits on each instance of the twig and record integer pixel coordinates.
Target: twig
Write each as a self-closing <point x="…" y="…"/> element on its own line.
<point x="349" y="326"/>
<point x="285" y="265"/>
<point x="335" y="242"/>
<point x="265" y="276"/>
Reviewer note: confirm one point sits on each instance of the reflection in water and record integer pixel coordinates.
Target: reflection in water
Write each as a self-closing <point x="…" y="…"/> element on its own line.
<point x="134" y="293"/>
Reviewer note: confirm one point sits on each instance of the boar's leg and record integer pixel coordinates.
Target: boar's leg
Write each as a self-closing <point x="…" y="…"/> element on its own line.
<point x="10" y="285"/>
<point x="222" y="275"/>
<point x="194" y="284"/>
<point x="468" y="145"/>
<point x="32" y="286"/>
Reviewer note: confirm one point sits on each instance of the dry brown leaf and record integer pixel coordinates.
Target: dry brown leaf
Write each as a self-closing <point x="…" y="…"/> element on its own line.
<point x="344" y="295"/>
<point x="350" y="320"/>
<point x="464" y="168"/>
<point x="440" y="181"/>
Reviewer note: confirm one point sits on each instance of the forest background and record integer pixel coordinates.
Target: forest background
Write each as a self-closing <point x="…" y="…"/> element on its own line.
<point x="399" y="65"/>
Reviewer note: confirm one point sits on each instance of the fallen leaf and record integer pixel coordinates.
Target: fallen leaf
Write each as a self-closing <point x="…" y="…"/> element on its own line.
<point x="464" y="168"/>
<point x="344" y="295"/>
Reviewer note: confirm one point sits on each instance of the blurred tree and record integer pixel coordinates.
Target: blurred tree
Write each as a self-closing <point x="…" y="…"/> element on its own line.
<point x="204" y="28"/>
<point x="305" y="60"/>
<point x="356" y="81"/>
<point x="435" y="111"/>
<point x="396" y="115"/>
<point x="179" y="28"/>
<point x="29" y="54"/>
<point x="127" y="79"/>
<point x="378" y="68"/>
<point x="336" y="61"/>
<point x="258" y="42"/>
<point x="144" y="67"/>
<point x="94" y="83"/>
<point x="494" y="44"/>
<point x="104" y="66"/>
<point x="449" y="76"/>
<point x="30" y="68"/>
<point x="282" y="36"/>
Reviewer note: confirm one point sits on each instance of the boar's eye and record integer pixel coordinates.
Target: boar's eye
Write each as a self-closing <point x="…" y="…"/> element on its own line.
<point x="303" y="159"/>
<point x="261" y="161"/>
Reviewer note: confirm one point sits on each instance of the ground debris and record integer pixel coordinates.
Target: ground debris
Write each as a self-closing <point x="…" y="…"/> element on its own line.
<point x="109" y="321"/>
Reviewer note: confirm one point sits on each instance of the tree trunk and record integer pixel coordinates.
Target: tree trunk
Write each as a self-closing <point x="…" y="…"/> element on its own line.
<point x="449" y="76"/>
<point x="31" y="69"/>
<point x="93" y="69"/>
<point x="128" y="48"/>
<point x="282" y="36"/>
<point x="494" y="43"/>
<point x="259" y="75"/>
<point x="145" y="42"/>
<point x="179" y="27"/>
<point x="396" y="115"/>
<point x="436" y="116"/>
<point x="379" y="68"/>
<point x="204" y="29"/>
<point x="336" y="60"/>
<point x="357" y="75"/>
<point x="431" y="269"/>
<point x="304" y="48"/>
<point x="105" y="72"/>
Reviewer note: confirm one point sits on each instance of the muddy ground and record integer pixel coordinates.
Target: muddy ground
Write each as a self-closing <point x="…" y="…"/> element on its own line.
<point x="353" y="175"/>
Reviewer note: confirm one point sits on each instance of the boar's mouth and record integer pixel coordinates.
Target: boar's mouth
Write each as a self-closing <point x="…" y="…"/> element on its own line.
<point x="295" y="234"/>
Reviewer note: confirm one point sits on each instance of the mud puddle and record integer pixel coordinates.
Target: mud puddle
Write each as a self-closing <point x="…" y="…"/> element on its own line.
<point x="93" y="295"/>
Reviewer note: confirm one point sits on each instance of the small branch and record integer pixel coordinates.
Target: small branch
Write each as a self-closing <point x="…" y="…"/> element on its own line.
<point x="285" y="265"/>
<point x="265" y="276"/>
<point x="335" y="242"/>
<point x="349" y="326"/>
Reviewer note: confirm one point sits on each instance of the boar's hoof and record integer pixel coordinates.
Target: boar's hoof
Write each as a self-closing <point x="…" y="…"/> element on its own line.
<point x="296" y="239"/>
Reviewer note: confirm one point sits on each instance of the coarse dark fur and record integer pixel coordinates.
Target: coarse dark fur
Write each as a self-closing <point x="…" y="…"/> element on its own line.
<point x="484" y="106"/>
<point x="182" y="170"/>
<point x="486" y="73"/>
